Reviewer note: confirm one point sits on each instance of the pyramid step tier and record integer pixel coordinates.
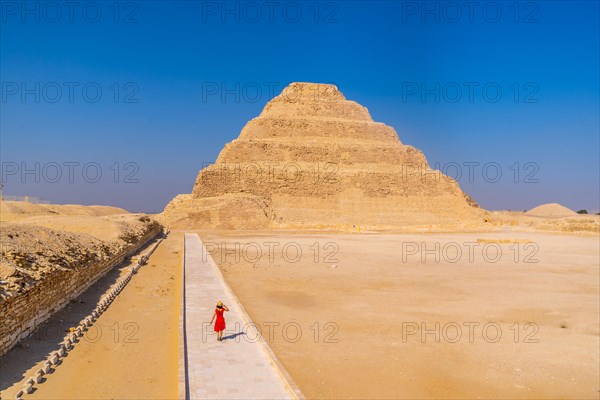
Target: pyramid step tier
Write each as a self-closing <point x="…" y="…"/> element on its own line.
<point x="319" y="181"/>
<point x="283" y="127"/>
<point x="338" y="153"/>
<point x="343" y="109"/>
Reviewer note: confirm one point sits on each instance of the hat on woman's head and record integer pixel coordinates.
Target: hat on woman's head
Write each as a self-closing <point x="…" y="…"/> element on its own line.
<point x="219" y="303"/>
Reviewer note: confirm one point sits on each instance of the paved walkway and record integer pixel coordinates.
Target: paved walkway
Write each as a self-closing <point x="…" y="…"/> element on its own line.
<point x="242" y="366"/>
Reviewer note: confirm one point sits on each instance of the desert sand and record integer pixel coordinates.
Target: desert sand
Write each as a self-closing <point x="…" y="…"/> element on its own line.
<point x="578" y="224"/>
<point x="14" y="210"/>
<point x="366" y="300"/>
<point x="551" y="210"/>
<point x="353" y="314"/>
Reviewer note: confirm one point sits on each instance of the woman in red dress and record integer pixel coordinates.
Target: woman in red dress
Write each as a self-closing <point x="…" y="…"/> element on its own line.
<point x="220" y="323"/>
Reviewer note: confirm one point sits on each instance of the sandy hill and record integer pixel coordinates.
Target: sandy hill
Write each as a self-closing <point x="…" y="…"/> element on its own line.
<point x="50" y="253"/>
<point x="32" y="234"/>
<point x="37" y="231"/>
<point x="551" y="210"/>
<point x="314" y="159"/>
<point x="105" y="228"/>
<point x="14" y="210"/>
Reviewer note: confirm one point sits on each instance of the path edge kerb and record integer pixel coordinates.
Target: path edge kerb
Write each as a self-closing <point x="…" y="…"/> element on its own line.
<point x="183" y="385"/>
<point x="285" y="376"/>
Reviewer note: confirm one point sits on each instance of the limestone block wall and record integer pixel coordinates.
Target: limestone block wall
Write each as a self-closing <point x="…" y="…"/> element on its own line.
<point x="21" y="315"/>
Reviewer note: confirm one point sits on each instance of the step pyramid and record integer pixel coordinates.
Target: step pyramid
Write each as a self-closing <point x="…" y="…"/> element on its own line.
<point x="315" y="160"/>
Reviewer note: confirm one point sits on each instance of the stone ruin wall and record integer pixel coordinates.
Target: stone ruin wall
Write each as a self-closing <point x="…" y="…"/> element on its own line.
<point x="22" y="315"/>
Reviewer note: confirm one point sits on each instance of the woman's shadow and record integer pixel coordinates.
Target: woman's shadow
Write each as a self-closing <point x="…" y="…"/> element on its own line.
<point x="234" y="336"/>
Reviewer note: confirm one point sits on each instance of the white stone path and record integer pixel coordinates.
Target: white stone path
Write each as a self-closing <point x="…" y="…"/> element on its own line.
<point x="242" y="366"/>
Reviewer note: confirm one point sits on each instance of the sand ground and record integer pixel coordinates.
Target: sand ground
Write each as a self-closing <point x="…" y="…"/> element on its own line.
<point x="17" y="210"/>
<point x="131" y="352"/>
<point x="350" y="320"/>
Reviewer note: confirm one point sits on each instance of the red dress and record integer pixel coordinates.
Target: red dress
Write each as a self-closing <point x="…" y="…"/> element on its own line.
<point x="220" y="322"/>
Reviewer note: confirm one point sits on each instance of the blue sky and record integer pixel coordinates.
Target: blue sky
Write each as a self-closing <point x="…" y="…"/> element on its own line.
<point x="114" y="103"/>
